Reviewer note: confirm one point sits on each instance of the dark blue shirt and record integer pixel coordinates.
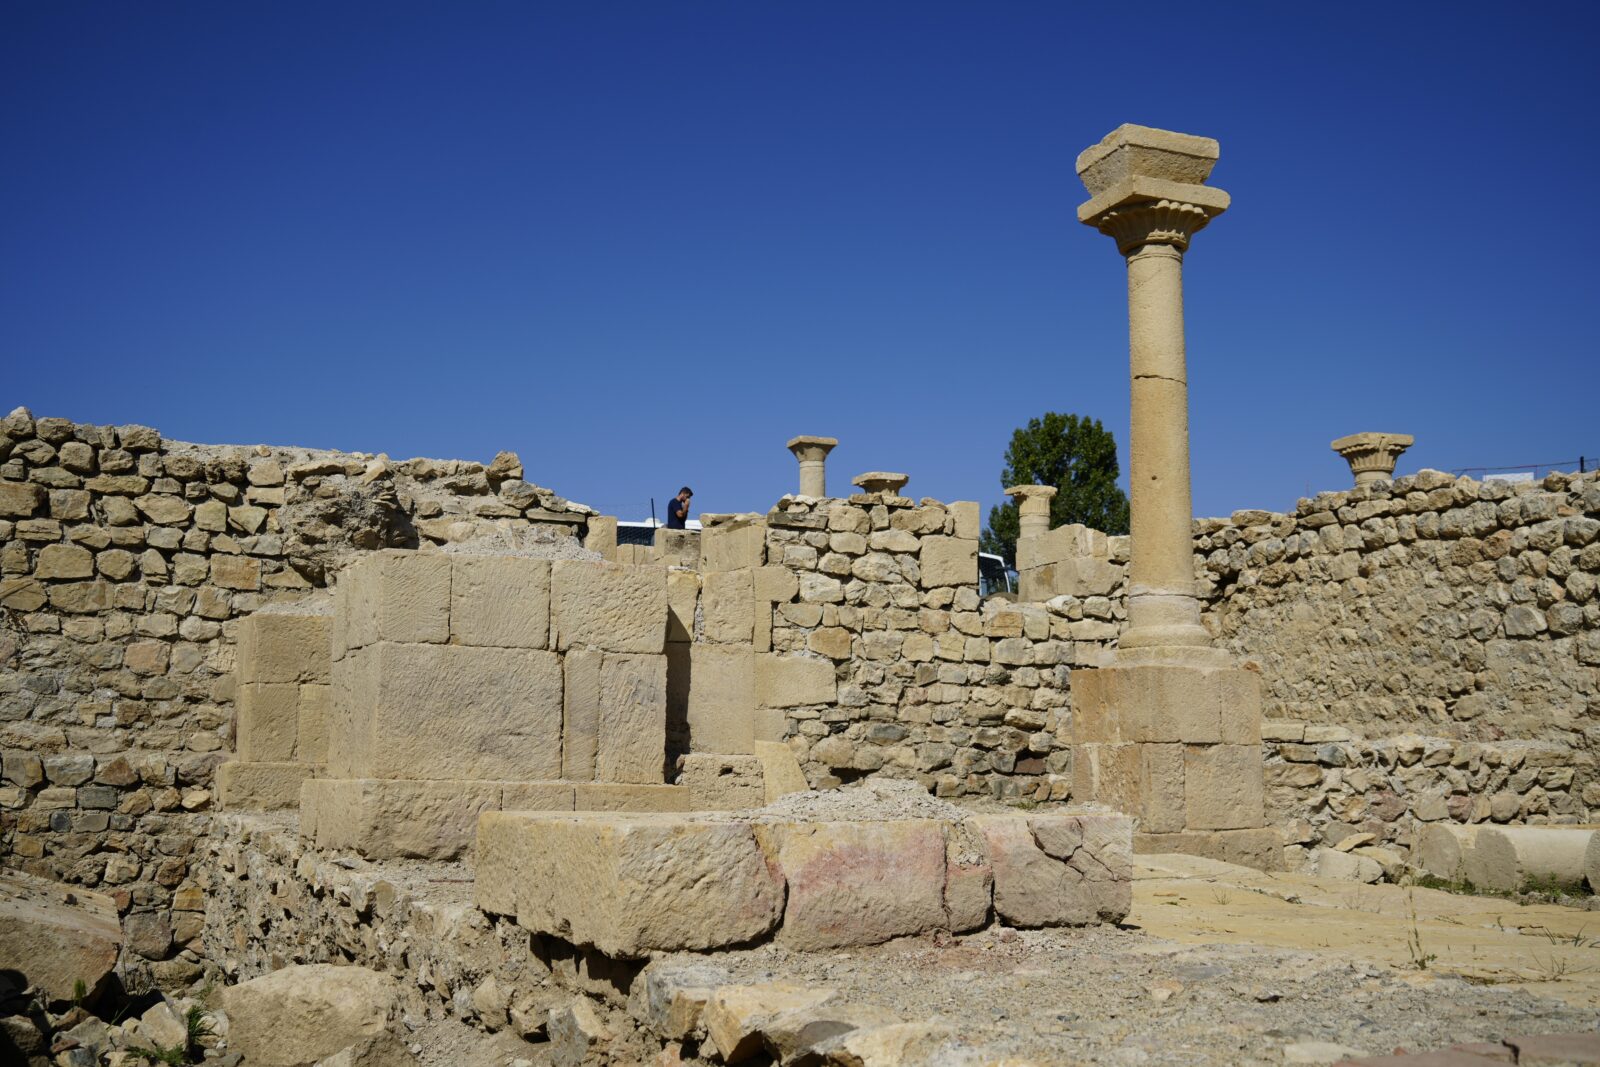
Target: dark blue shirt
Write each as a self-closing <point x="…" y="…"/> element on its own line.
<point x="677" y="513"/>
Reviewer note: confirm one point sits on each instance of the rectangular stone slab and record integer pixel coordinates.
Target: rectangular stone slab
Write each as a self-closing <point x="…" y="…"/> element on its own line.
<point x="500" y="601"/>
<point x="251" y="786"/>
<point x="632" y="741"/>
<point x="449" y="711"/>
<point x="612" y="607"/>
<point x="279" y="647"/>
<point x="389" y="819"/>
<point x="628" y="885"/>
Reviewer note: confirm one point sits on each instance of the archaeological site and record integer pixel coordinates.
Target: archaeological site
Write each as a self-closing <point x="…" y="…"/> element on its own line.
<point x="326" y="758"/>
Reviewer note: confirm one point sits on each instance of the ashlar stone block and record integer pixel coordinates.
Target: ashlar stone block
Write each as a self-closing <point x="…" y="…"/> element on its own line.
<point x="382" y="819"/>
<point x="613" y="607"/>
<point x="633" y="719"/>
<point x="722" y="699"/>
<point x="1062" y="874"/>
<point x="580" y="728"/>
<point x="732" y="547"/>
<point x="277" y="647"/>
<point x="259" y="786"/>
<point x="397" y="595"/>
<point x="783" y="681"/>
<point x="858" y="883"/>
<point x="729" y="602"/>
<point x="1168" y="704"/>
<point x="628" y="885"/>
<point x="1223" y="787"/>
<point x="500" y="601"/>
<point x="312" y="743"/>
<point x="449" y="711"/>
<point x="267" y="722"/>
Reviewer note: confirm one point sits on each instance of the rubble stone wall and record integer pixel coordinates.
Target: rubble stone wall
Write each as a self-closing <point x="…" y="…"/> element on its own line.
<point x="966" y="697"/>
<point x="126" y="561"/>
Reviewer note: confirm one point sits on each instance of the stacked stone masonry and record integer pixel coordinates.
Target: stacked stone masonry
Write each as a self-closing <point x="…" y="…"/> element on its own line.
<point x="127" y="564"/>
<point x="1431" y="611"/>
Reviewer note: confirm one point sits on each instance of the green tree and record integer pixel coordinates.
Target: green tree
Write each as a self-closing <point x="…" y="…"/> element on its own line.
<point x="1076" y="455"/>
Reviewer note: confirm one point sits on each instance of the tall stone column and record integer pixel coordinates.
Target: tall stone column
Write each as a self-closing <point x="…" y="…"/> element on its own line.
<point x="1033" y="509"/>
<point x="1170" y="730"/>
<point x="812" y="452"/>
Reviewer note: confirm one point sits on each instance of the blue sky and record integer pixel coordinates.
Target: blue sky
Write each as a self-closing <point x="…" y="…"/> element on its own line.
<point x="645" y="244"/>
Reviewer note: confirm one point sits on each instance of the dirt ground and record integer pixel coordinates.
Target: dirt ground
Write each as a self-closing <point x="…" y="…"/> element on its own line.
<point x="1216" y="965"/>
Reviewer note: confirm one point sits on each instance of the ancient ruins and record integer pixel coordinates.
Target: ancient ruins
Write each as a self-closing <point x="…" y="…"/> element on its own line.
<point x="322" y="758"/>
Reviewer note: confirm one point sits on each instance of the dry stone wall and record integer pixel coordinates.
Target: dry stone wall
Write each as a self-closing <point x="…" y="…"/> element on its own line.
<point x="966" y="697"/>
<point x="126" y="563"/>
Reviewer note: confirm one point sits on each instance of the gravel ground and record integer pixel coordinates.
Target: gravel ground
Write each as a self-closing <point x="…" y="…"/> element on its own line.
<point x="1115" y="996"/>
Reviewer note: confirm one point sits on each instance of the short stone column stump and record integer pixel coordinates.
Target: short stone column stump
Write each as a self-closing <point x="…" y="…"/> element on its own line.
<point x="628" y="885"/>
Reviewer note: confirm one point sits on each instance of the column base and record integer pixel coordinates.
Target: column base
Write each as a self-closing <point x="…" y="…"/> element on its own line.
<point x="1174" y="743"/>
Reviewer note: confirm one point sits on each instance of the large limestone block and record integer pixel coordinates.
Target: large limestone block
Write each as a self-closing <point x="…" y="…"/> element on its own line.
<point x="245" y="786"/>
<point x="1260" y="848"/>
<point x="388" y="819"/>
<point x="629" y="885"/>
<point x="1441" y="849"/>
<point x="304" y="1013"/>
<point x="56" y="936"/>
<point x="732" y="548"/>
<point x="267" y="721"/>
<point x="632" y="741"/>
<point x="1059" y="870"/>
<point x="967" y="519"/>
<point x="1084" y="577"/>
<point x="396" y="595"/>
<point x="1222" y="787"/>
<point x="722" y="699"/>
<point x="858" y="883"/>
<point x="500" y="601"/>
<point x="791" y="681"/>
<point x="278" y="647"/>
<point x="449" y="711"/>
<point x="1160" y="703"/>
<point x="1508" y="858"/>
<point x="613" y="607"/>
<point x="948" y="561"/>
<point x="580" y="728"/>
<point x="352" y="712"/>
<point x="1145" y="781"/>
<point x="612" y="796"/>
<point x="730" y="610"/>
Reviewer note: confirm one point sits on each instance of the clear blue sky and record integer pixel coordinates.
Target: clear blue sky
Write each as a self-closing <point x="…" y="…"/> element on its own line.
<point x="644" y="244"/>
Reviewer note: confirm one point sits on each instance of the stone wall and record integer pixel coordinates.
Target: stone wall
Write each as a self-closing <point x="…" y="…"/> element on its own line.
<point x="126" y="561"/>
<point x="1428" y="604"/>
<point x="966" y="697"/>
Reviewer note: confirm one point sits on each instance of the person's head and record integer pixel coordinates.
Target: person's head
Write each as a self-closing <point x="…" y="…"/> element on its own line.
<point x="685" y="493"/>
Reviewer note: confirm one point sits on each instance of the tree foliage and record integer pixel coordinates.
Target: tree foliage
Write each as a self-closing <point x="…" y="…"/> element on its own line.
<point x="1076" y="455"/>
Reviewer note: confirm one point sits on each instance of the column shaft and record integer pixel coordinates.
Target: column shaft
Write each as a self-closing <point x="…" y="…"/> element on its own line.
<point x="813" y="478"/>
<point x="1162" y="607"/>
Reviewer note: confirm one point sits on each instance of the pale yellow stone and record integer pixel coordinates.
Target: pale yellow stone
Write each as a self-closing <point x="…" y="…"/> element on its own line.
<point x="732" y="547"/>
<point x="783" y="681"/>
<point x="729" y="603"/>
<point x="500" y="601"/>
<point x="721" y="699"/>
<point x="736" y="1015"/>
<point x="580" y="729"/>
<point x="1223" y="787"/>
<point x="683" y="594"/>
<point x="279" y="647"/>
<point x="633" y="719"/>
<point x="617" y="797"/>
<point x="245" y="786"/>
<point x="608" y="606"/>
<point x="312" y="743"/>
<point x="267" y="722"/>
<point x="775" y="585"/>
<point x="780" y="770"/>
<point x="812" y="454"/>
<point x="948" y="561"/>
<point x="388" y="819"/>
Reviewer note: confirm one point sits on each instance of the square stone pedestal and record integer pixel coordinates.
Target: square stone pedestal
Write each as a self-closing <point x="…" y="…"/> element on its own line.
<point x="1178" y="747"/>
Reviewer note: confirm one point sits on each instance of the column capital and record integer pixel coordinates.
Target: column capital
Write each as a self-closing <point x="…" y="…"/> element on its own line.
<point x="1023" y="494"/>
<point x="1372" y="455"/>
<point x="808" y="447"/>
<point x="1146" y="186"/>
<point x="890" y="482"/>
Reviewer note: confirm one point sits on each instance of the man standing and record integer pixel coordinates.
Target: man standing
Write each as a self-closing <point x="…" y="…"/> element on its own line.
<point x="678" y="509"/>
